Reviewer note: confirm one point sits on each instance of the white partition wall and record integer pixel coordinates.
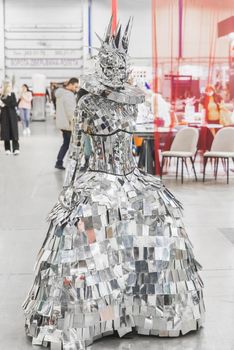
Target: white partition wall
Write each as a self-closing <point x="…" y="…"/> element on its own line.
<point x="43" y="37"/>
<point x="140" y="44"/>
<point x="2" y="44"/>
<point x="51" y="36"/>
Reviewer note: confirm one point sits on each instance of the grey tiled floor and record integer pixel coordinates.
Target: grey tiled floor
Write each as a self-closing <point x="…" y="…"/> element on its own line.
<point x="29" y="187"/>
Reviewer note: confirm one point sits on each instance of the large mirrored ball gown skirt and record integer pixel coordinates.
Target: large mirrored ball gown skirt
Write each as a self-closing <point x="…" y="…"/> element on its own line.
<point x="116" y="257"/>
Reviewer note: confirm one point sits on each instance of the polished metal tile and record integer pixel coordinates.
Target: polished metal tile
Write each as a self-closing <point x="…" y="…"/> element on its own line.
<point x="29" y="186"/>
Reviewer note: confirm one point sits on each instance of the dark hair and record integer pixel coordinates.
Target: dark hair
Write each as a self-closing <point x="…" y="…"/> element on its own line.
<point x="73" y="81"/>
<point x="25" y="85"/>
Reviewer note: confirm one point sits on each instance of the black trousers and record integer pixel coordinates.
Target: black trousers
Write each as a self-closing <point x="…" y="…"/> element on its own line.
<point x="15" y="145"/>
<point x="64" y="148"/>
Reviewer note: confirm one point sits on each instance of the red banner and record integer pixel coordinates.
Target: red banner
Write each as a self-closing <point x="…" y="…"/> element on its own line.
<point x="38" y="94"/>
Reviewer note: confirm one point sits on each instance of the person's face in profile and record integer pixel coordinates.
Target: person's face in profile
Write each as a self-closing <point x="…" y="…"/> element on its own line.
<point x="74" y="87"/>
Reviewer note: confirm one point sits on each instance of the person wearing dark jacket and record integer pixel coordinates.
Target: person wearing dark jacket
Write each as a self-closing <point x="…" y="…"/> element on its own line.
<point x="9" y="120"/>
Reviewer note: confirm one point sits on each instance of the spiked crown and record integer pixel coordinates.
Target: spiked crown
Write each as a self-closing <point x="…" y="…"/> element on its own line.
<point x="112" y="68"/>
<point x="114" y="40"/>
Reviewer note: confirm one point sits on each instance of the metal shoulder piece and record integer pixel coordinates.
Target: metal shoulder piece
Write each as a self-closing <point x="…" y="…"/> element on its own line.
<point x="127" y="94"/>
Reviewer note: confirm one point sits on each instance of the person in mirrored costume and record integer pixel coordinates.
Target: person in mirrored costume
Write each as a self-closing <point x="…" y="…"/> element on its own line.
<point x="116" y="257"/>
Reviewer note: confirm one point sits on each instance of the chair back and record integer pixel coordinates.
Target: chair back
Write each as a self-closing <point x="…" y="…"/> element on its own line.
<point x="185" y="140"/>
<point x="224" y="140"/>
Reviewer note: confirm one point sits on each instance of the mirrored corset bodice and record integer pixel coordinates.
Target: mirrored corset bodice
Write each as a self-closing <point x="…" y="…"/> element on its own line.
<point x="112" y="153"/>
<point x="108" y="125"/>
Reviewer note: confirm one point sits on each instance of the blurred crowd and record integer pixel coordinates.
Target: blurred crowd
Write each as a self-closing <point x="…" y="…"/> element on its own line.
<point x="213" y="105"/>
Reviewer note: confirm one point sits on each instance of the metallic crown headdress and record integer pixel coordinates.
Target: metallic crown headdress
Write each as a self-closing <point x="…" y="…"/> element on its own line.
<point x="112" y="56"/>
<point x="114" y="40"/>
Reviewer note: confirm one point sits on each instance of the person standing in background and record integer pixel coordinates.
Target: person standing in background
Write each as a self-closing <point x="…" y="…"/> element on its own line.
<point x="65" y="107"/>
<point x="9" y="120"/>
<point x="210" y="102"/>
<point x="24" y="105"/>
<point x="53" y="88"/>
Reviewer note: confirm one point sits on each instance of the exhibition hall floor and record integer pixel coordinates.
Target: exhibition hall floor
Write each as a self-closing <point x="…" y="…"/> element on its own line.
<point x="29" y="186"/>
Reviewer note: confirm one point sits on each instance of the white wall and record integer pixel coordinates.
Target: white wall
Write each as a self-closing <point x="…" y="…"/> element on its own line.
<point x="1" y="40"/>
<point x="140" y="44"/>
<point x="43" y="36"/>
<point x="198" y="22"/>
<point x="31" y="12"/>
<point x="200" y="28"/>
<point x="200" y="19"/>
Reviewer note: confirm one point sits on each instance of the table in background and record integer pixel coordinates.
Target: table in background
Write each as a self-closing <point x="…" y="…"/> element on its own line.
<point x="166" y="136"/>
<point x="206" y="134"/>
<point x="147" y="153"/>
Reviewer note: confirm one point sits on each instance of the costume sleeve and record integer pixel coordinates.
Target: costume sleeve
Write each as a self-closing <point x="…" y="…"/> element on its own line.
<point x="76" y="150"/>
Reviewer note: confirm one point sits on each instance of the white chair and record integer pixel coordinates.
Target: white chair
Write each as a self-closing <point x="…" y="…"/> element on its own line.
<point x="183" y="146"/>
<point x="222" y="148"/>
